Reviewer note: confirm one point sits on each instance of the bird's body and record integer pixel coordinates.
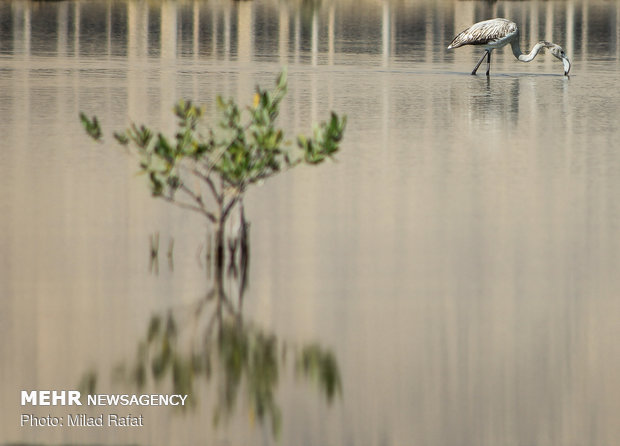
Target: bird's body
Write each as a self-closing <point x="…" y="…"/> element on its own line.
<point x="496" y="33"/>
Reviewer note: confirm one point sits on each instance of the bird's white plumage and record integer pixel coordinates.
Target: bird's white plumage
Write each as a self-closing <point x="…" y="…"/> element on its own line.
<point x="492" y="33"/>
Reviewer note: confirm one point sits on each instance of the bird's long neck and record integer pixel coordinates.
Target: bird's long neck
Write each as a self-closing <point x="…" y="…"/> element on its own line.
<point x="516" y="50"/>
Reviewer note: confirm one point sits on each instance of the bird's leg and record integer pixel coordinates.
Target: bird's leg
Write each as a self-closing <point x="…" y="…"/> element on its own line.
<point x="489" y="63"/>
<point x="480" y="61"/>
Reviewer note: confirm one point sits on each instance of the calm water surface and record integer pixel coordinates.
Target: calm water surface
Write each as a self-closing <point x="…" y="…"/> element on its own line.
<point x="459" y="261"/>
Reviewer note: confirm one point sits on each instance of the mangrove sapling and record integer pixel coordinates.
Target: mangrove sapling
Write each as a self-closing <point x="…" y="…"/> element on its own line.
<point x="207" y="169"/>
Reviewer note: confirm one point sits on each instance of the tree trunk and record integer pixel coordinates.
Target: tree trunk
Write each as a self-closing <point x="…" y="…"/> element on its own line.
<point x="218" y="249"/>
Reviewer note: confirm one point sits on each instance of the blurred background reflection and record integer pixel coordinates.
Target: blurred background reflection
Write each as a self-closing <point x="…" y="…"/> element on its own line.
<point x="458" y="264"/>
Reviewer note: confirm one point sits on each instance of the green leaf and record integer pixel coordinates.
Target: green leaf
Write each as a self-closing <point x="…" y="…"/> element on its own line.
<point x="121" y="138"/>
<point x="91" y="126"/>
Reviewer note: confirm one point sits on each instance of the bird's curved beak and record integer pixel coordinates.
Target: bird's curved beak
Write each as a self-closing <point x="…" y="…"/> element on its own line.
<point x="566" y="63"/>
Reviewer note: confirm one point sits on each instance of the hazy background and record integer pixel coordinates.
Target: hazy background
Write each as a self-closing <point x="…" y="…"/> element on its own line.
<point x="460" y="259"/>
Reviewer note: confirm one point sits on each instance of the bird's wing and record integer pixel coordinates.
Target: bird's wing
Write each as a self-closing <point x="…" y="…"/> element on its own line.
<point x="483" y="33"/>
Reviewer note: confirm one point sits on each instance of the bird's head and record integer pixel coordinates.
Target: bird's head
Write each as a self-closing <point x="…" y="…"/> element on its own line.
<point x="558" y="52"/>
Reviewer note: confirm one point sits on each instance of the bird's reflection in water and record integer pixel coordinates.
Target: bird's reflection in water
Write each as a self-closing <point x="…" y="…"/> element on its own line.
<point x="495" y="100"/>
<point x="211" y="341"/>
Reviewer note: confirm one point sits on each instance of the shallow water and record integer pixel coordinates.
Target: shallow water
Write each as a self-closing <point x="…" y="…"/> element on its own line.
<point x="459" y="260"/>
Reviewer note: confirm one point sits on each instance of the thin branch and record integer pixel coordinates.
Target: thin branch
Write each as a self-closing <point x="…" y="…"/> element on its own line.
<point x="207" y="179"/>
<point x="191" y="207"/>
<point x="196" y="197"/>
<point x="264" y="175"/>
<point x="229" y="206"/>
<point x="217" y="196"/>
<point x="196" y="172"/>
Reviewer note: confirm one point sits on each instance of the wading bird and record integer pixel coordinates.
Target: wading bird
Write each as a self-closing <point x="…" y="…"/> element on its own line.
<point x="496" y="33"/>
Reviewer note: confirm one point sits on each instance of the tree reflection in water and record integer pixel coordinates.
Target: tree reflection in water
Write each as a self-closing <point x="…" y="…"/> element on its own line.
<point x="210" y="340"/>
